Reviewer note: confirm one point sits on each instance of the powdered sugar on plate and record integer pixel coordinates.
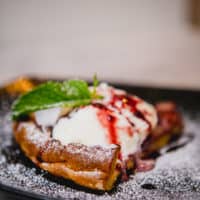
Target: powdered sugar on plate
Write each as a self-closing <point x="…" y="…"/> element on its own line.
<point x="176" y="175"/>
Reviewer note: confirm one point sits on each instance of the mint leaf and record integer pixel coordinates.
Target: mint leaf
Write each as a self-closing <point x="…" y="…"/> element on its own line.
<point x="94" y="92"/>
<point x="95" y="81"/>
<point x="76" y="89"/>
<point x="70" y="93"/>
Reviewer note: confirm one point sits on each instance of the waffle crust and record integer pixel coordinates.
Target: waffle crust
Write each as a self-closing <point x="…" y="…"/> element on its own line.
<point x="94" y="167"/>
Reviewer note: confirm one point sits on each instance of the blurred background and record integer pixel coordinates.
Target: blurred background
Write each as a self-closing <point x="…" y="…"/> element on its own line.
<point x="146" y="42"/>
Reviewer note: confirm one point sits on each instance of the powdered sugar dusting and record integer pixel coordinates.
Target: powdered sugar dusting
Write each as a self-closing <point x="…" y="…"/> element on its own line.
<point x="38" y="137"/>
<point x="176" y="175"/>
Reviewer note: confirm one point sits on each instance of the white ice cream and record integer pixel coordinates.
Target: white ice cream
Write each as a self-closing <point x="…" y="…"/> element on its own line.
<point x="85" y="125"/>
<point x="82" y="126"/>
<point x="49" y="117"/>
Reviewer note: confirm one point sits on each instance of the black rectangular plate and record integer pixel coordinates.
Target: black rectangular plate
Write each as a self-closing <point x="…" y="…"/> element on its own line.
<point x="176" y="175"/>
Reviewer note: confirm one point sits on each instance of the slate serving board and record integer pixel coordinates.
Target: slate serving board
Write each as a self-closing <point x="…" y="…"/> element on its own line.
<point x="176" y="175"/>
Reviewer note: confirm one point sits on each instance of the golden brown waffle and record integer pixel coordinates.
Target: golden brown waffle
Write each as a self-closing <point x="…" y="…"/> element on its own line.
<point x="93" y="167"/>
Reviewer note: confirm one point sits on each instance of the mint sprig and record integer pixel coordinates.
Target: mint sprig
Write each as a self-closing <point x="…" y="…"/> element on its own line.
<point x="72" y="93"/>
<point x="94" y="93"/>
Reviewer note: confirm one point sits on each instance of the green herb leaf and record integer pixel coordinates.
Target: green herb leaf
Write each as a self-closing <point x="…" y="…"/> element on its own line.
<point x="95" y="81"/>
<point x="70" y="93"/>
<point x="76" y="89"/>
<point x="95" y="84"/>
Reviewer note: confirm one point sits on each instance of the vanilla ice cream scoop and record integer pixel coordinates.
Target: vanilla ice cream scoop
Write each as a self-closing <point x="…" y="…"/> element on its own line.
<point x="118" y="118"/>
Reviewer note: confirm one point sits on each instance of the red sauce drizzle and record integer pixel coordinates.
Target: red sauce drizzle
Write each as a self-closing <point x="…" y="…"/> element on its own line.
<point x="126" y="100"/>
<point x="141" y="115"/>
<point x="130" y="102"/>
<point x="108" y="120"/>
